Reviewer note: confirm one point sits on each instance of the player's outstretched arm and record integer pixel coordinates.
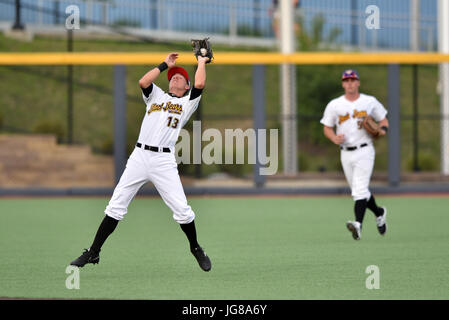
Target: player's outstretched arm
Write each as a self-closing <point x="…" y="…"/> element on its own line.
<point x="151" y="75"/>
<point x="330" y="134"/>
<point x="200" y="75"/>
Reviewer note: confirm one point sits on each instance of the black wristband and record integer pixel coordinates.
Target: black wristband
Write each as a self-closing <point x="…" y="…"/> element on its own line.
<point x="384" y="128"/>
<point x="162" y="67"/>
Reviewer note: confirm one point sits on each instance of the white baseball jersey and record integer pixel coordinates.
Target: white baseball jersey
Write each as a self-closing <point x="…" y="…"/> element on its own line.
<point x="348" y="116"/>
<point x="165" y="116"/>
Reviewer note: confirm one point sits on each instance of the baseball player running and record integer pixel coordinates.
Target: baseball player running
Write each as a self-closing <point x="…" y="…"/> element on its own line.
<point x="357" y="151"/>
<point x="153" y="157"/>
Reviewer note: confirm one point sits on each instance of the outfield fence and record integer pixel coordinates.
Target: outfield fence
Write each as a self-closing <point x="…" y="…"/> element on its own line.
<point x="413" y="142"/>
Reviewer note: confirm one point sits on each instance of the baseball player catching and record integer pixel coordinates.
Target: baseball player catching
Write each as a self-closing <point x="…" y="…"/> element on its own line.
<point x="153" y="158"/>
<point x="349" y="113"/>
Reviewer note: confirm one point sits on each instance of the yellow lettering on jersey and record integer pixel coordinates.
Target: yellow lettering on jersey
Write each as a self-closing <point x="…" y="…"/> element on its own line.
<point x="359" y="114"/>
<point x="173" y="108"/>
<point x="155" y="107"/>
<point x="342" y="119"/>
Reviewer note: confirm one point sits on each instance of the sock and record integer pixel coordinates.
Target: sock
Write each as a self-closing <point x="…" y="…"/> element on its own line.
<point x="359" y="210"/>
<point x="190" y="231"/>
<point x="378" y="211"/>
<point x="107" y="226"/>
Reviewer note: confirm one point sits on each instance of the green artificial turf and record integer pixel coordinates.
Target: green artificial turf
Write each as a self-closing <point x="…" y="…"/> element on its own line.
<point x="261" y="248"/>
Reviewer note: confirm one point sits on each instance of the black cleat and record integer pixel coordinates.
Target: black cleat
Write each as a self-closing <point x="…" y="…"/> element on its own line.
<point x="355" y="228"/>
<point x="202" y="258"/>
<point x="87" y="257"/>
<point x="381" y="222"/>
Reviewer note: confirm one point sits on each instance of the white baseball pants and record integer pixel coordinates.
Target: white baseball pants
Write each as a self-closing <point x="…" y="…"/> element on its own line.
<point x="162" y="170"/>
<point x="358" y="166"/>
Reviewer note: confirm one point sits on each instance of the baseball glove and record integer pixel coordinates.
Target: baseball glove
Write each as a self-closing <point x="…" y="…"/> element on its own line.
<point x="371" y="126"/>
<point x="202" y="48"/>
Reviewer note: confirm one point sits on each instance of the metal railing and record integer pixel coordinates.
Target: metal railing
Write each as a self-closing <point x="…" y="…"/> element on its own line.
<point x="242" y="18"/>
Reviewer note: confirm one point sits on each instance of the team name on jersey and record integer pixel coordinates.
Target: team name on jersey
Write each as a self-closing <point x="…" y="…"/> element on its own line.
<point x="170" y="107"/>
<point x="342" y="119"/>
<point x="359" y="114"/>
<point x="356" y="115"/>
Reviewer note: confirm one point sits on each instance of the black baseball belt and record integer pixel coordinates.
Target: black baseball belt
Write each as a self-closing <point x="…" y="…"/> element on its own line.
<point x="354" y="148"/>
<point x="151" y="148"/>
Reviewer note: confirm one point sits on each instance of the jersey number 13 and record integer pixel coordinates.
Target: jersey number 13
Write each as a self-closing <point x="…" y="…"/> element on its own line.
<point x="172" y="122"/>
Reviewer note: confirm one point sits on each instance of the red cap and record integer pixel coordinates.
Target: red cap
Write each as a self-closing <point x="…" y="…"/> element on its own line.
<point x="172" y="71"/>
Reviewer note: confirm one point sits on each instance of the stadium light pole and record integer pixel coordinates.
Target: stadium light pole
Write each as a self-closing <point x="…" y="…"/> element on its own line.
<point x="415" y="118"/>
<point x="56" y="12"/>
<point x="354" y="25"/>
<point x="119" y="120"/>
<point x="288" y="91"/>
<point x="18" y="24"/>
<point x="414" y="25"/>
<point x="394" y="133"/>
<point x="198" y="117"/>
<point x="259" y="120"/>
<point x="70" y="89"/>
<point x="256" y="10"/>
<point x="153" y="14"/>
<point x="414" y="46"/>
<point x="443" y="47"/>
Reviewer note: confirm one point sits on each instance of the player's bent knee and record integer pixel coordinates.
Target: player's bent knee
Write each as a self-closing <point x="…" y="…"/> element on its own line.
<point x="184" y="217"/>
<point x="361" y="195"/>
<point x="114" y="213"/>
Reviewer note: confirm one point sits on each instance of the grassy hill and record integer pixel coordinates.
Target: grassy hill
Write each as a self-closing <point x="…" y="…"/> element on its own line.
<point x="34" y="99"/>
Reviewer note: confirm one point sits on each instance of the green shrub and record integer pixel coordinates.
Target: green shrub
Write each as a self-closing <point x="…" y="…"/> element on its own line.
<point x="314" y="39"/>
<point x="248" y="31"/>
<point x="426" y="162"/>
<point x="304" y="163"/>
<point x="50" y="127"/>
<point x="235" y="170"/>
<point x="316" y="88"/>
<point x="107" y="146"/>
<point x="126" y="23"/>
